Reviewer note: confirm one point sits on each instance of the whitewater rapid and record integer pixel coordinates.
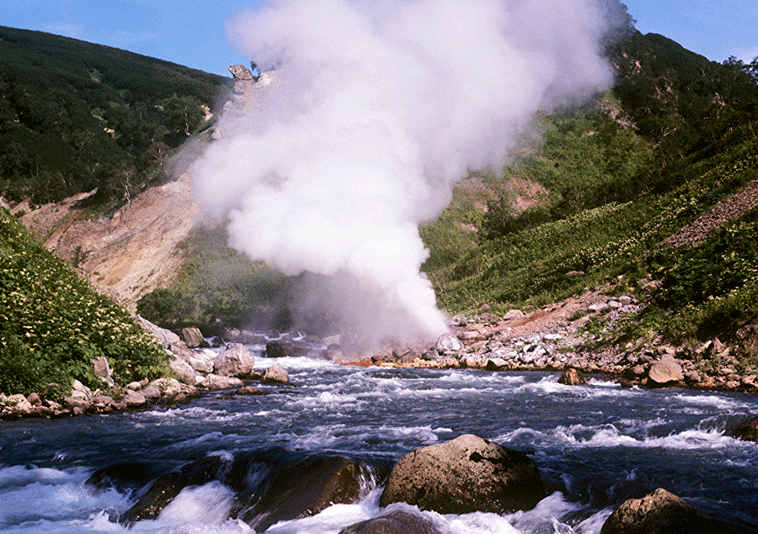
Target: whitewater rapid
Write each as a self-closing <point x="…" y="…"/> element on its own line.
<point x="595" y="446"/>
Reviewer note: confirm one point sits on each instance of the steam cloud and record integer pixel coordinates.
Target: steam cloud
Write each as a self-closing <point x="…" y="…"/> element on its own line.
<point x="379" y="106"/>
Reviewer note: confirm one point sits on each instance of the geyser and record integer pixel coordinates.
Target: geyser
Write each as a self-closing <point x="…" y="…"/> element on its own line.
<point x="378" y="108"/>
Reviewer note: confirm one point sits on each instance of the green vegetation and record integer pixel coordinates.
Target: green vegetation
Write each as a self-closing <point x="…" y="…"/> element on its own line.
<point x="52" y="323"/>
<point x="673" y="138"/>
<point x="76" y="116"/>
<point x="219" y="287"/>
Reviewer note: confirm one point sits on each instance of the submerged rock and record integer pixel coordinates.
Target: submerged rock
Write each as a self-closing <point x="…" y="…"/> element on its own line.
<point x="393" y="523"/>
<point x="467" y="474"/>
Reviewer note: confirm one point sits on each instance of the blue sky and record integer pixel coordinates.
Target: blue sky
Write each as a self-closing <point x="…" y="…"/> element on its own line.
<point x="193" y="32"/>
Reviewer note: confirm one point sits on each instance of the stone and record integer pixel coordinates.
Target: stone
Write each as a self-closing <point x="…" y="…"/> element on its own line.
<point x="34" y="399"/>
<point x="459" y="320"/>
<point x="103" y="370"/>
<point x="240" y="72"/>
<point x="17" y="405"/>
<point x="396" y="522"/>
<point x="284" y="349"/>
<point x="134" y="398"/>
<point x="495" y="364"/>
<point x="666" y="371"/>
<point x="302" y="488"/>
<point x="183" y="371"/>
<point x="746" y="430"/>
<point x="235" y="360"/>
<point x="216" y="382"/>
<point x="467" y="474"/>
<point x="513" y="315"/>
<point x="275" y="374"/>
<point x="165" y="337"/>
<point x="249" y="390"/>
<point x="192" y="336"/>
<point x="448" y="343"/>
<point x="573" y="377"/>
<point x="202" y="362"/>
<point x="660" y="512"/>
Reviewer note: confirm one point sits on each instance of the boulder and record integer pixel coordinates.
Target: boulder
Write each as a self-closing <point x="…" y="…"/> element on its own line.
<point x="275" y="374"/>
<point x="202" y="362"/>
<point x="192" y="336"/>
<point x="747" y="430"/>
<point x="132" y="399"/>
<point x="216" y="382"/>
<point x="393" y="523"/>
<point x="183" y="371"/>
<point x="660" y="512"/>
<point x="666" y="371"/>
<point x="235" y="360"/>
<point x="103" y="370"/>
<point x="16" y="406"/>
<point x="449" y="343"/>
<point x="165" y="337"/>
<point x="301" y="488"/>
<point x="459" y="320"/>
<point x="284" y="349"/>
<point x="249" y="390"/>
<point x="467" y="474"/>
<point x="495" y="364"/>
<point x="573" y="377"/>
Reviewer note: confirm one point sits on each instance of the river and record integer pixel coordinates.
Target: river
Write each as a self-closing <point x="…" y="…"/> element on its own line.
<point x="595" y="446"/>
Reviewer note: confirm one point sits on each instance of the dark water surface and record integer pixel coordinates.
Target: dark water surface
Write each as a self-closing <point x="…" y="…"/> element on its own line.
<point x="595" y="445"/>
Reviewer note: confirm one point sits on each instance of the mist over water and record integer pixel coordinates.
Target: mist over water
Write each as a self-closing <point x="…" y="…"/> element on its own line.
<point x="376" y="109"/>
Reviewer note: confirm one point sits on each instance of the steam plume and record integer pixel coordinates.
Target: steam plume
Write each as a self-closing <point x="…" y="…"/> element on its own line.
<point x="379" y="106"/>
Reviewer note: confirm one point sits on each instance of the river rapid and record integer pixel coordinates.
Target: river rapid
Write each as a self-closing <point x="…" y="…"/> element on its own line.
<point x="595" y="446"/>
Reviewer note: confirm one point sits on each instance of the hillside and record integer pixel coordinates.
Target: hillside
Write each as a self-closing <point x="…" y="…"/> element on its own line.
<point x="650" y="189"/>
<point x="77" y="117"/>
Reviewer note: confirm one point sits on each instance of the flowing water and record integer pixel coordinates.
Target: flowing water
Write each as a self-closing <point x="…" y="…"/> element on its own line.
<point x="595" y="446"/>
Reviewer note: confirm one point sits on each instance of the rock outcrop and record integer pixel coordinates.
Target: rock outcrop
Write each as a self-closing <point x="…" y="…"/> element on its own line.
<point x="467" y="474"/>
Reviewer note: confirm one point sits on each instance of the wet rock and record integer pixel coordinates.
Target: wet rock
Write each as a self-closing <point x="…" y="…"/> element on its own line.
<point x="192" y="337"/>
<point x="393" y="523"/>
<point x="573" y="377"/>
<point x="275" y="374"/>
<point x="746" y="430"/>
<point x="284" y="349"/>
<point x="249" y="390"/>
<point x="122" y="476"/>
<point x="467" y="474"/>
<point x="235" y="360"/>
<point x="666" y="371"/>
<point x="301" y="488"/>
<point x="660" y="512"/>
<point x="163" y="490"/>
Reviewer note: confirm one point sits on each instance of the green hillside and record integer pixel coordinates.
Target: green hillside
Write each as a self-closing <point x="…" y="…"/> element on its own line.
<point x="675" y="137"/>
<point x="52" y="324"/>
<point x="75" y="116"/>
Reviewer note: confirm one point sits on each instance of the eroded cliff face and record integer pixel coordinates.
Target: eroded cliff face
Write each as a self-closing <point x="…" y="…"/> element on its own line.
<point x="128" y="254"/>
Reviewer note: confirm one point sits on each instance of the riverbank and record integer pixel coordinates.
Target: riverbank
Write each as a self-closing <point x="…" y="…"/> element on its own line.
<point x="571" y="335"/>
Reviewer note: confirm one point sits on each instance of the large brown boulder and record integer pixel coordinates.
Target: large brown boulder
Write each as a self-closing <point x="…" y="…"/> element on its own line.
<point x="235" y="360"/>
<point x="573" y="377"/>
<point x="393" y="523"/>
<point x="660" y="512"/>
<point x="467" y="474"/>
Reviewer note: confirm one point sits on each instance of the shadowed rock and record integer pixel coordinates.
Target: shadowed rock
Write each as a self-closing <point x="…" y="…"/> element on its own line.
<point x="572" y="377"/>
<point x="283" y="349"/>
<point x="747" y="430"/>
<point x="660" y="512"/>
<point x="468" y="474"/>
<point x="393" y="523"/>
